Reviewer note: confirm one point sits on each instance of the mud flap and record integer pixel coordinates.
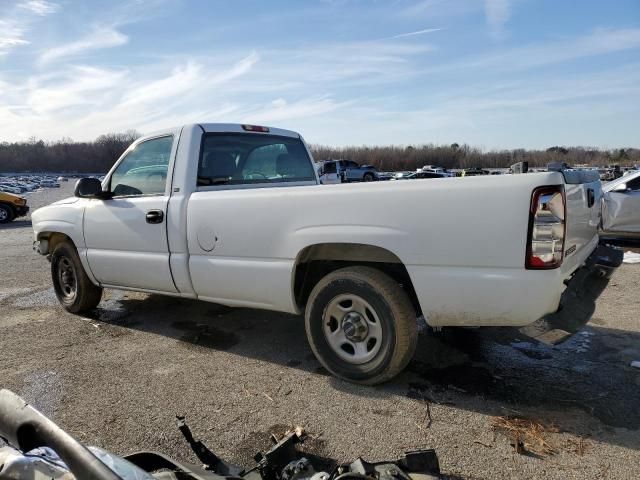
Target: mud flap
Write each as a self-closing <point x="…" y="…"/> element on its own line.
<point x="578" y="301"/>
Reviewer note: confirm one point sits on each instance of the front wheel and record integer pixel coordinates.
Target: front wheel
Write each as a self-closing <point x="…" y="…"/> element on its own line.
<point x="361" y="325"/>
<point x="74" y="289"/>
<point x="6" y="213"/>
<point x="368" y="177"/>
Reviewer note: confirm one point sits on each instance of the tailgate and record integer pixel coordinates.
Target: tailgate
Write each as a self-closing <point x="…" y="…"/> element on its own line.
<point x="583" y="193"/>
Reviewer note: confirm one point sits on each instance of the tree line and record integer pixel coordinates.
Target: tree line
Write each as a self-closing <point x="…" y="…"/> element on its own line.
<point x="65" y="155"/>
<point x="99" y="155"/>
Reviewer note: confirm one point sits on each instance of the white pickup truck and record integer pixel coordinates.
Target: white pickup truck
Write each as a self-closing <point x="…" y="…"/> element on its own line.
<point x="235" y="214"/>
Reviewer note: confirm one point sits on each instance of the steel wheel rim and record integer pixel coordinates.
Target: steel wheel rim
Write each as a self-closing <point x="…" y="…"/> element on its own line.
<point x="67" y="278"/>
<point x="352" y="328"/>
<point x="3" y="214"/>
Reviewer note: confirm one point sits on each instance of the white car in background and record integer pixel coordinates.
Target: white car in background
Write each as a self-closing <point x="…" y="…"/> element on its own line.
<point x="621" y="207"/>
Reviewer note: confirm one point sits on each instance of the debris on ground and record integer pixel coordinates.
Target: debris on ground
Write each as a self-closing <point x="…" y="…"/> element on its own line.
<point x="525" y="435"/>
<point x="579" y="446"/>
<point x="631" y="257"/>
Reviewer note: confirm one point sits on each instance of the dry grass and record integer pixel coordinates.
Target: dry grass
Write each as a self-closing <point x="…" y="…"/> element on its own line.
<point x="526" y="435"/>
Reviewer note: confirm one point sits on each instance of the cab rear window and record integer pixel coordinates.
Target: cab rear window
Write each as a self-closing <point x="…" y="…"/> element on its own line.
<point x="237" y="158"/>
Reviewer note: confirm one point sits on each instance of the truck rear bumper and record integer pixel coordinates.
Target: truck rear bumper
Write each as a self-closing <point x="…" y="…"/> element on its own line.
<point x="578" y="301"/>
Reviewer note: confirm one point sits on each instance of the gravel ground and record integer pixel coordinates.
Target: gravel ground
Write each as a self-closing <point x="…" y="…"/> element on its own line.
<point x="118" y="378"/>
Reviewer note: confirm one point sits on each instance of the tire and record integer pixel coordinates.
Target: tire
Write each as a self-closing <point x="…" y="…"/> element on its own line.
<point x="377" y="334"/>
<point x="6" y="213"/>
<point x="368" y="177"/>
<point x="76" y="293"/>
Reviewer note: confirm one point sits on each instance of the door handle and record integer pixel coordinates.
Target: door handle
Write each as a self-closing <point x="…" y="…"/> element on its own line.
<point x="155" y="216"/>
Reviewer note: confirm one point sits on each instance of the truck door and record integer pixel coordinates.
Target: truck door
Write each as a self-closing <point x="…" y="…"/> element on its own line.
<point x="353" y="173"/>
<point x="329" y="173"/>
<point x="126" y="236"/>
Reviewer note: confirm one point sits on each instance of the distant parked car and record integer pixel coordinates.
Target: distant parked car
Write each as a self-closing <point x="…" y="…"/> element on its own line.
<point x="397" y="175"/>
<point x="382" y="176"/>
<point x="472" y="172"/>
<point x="344" y="171"/>
<point x="12" y="187"/>
<point x="420" y="175"/>
<point x="434" y="169"/>
<point x="621" y="207"/>
<point x="49" y="184"/>
<point x="63" y="179"/>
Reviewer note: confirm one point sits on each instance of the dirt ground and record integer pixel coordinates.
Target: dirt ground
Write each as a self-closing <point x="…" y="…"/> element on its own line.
<point x="117" y="379"/>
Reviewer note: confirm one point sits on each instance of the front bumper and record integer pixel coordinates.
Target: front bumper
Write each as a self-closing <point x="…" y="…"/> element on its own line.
<point x="21" y="210"/>
<point x="578" y="301"/>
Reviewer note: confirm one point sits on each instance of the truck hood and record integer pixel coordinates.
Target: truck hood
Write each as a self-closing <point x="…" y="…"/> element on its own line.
<point x="66" y="201"/>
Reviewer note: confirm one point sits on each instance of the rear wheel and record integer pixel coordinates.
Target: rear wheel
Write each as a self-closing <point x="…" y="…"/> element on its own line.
<point x="361" y="325"/>
<point x="6" y="213"/>
<point x="74" y="289"/>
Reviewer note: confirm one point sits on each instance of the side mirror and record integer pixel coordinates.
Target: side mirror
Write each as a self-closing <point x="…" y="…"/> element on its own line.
<point x="622" y="187"/>
<point x="89" y="188"/>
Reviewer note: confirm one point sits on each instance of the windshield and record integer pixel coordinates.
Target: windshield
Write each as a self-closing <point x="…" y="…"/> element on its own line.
<point x="238" y="158"/>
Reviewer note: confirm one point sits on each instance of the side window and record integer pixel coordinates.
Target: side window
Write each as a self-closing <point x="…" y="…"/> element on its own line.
<point x="144" y="170"/>
<point x="330" y="167"/>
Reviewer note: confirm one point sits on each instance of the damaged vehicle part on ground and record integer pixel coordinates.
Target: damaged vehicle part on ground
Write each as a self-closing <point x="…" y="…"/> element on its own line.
<point x="40" y="450"/>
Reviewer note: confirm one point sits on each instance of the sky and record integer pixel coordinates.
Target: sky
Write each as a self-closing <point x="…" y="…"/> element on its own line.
<point x="489" y="73"/>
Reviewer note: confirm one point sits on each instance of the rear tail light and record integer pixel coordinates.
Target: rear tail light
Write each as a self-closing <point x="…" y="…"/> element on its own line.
<point x="547" y="228"/>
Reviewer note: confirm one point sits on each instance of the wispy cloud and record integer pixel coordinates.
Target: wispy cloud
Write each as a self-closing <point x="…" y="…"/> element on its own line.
<point x="90" y="100"/>
<point x="15" y="22"/>
<point x="417" y="32"/>
<point x="39" y="7"/>
<point x="440" y="8"/>
<point x="279" y="110"/>
<point x="11" y="36"/>
<point x="78" y="86"/>
<point x="100" y="37"/>
<point x="599" y="42"/>
<point x="497" y="13"/>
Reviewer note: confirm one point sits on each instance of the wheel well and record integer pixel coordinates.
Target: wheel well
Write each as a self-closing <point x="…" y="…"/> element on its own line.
<point x="53" y="239"/>
<point x="317" y="261"/>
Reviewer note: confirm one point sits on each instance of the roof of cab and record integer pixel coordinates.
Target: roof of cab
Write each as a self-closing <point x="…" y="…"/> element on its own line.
<point x="238" y="128"/>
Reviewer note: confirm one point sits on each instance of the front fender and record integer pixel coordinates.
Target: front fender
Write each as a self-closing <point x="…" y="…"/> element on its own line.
<point x="66" y="218"/>
<point x="59" y="217"/>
